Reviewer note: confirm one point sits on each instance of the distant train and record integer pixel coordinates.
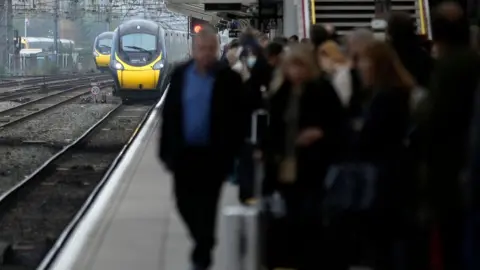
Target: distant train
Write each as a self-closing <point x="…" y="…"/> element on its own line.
<point x="47" y="44"/>
<point x="101" y="50"/>
<point x="142" y="56"/>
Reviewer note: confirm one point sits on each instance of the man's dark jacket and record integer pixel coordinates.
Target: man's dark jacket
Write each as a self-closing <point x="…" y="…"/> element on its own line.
<point x="227" y="112"/>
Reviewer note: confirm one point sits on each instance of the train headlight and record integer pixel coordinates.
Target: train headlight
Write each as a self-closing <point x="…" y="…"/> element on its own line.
<point x="117" y="65"/>
<point x="96" y="54"/>
<point x="159" y="65"/>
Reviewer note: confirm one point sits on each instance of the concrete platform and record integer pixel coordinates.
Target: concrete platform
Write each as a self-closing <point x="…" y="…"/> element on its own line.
<point x="140" y="229"/>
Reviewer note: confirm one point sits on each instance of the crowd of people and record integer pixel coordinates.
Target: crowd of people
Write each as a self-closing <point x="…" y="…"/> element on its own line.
<point x="371" y="144"/>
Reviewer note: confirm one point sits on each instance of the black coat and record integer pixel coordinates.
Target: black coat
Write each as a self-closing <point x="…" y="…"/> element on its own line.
<point x="382" y="142"/>
<point x="227" y="111"/>
<point x="320" y="108"/>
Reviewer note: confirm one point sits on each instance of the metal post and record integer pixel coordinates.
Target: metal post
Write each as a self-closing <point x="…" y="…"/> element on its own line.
<point x="3" y="33"/>
<point x="55" y="32"/>
<point x="9" y="26"/>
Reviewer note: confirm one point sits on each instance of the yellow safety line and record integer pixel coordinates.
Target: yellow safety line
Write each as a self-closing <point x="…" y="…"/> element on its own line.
<point x="422" y="17"/>
<point x="312" y="7"/>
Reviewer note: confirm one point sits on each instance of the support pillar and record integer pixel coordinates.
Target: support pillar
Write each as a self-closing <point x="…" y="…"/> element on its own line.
<point x="3" y="33"/>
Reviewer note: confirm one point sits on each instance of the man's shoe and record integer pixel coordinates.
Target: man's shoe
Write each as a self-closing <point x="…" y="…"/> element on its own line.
<point x="196" y="267"/>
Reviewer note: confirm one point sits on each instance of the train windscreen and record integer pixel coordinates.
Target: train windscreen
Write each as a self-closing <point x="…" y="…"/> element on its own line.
<point x="104" y="45"/>
<point x="139" y="42"/>
<point x="138" y="49"/>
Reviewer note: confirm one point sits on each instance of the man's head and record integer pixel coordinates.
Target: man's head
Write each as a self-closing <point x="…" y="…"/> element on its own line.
<point x="450" y="26"/>
<point x="264" y="41"/>
<point x="318" y="35"/>
<point x="293" y="39"/>
<point x="358" y="40"/>
<point x="401" y="28"/>
<point x="274" y="51"/>
<point x="205" y="47"/>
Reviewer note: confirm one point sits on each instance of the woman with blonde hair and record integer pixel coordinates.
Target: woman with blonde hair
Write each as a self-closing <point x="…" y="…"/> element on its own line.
<point x="336" y="65"/>
<point x="382" y="144"/>
<point x="302" y="141"/>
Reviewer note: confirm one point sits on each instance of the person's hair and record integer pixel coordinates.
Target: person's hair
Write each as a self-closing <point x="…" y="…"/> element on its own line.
<point x="273" y="49"/>
<point x="263" y="37"/>
<point x="281" y="40"/>
<point x="234" y="43"/>
<point x="318" y="35"/>
<point x="331" y="50"/>
<point x="385" y="67"/>
<point x="294" y="37"/>
<point x="361" y="36"/>
<point x="401" y="27"/>
<point x="301" y="54"/>
<point x="450" y="25"/>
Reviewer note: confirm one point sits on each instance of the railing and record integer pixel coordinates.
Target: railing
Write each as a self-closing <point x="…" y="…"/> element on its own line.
<point x="313" y="15"/>
<point x="426" y="5"/>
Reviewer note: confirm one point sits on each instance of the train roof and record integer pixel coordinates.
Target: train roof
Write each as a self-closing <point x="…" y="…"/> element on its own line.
<point x="139" y="23"/>
<point x="43" y="39"/>
<point x="105" y="35"/>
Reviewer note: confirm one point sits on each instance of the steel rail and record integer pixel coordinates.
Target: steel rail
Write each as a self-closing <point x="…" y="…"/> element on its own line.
<point x="38" y="80"/>
<point x="37" y="89"/>
<point x="72" y="94"/>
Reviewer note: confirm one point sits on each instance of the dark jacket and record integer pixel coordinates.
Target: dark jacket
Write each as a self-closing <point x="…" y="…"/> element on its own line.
<point x="382" y="142"/>
<point x="320" y="108"/>
<point x="447" y="125"/>
<point x="416" y="60"/>
<point x="227" y="109"/>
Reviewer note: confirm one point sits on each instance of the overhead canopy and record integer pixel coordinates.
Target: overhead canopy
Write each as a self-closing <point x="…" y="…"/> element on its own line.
<point x="196" y="8"/>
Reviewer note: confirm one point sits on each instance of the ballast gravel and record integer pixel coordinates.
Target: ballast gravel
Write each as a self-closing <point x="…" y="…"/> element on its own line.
<point x="59" y="126"/>
<point x="20" y="161"/>
<point x="6" y="105"/>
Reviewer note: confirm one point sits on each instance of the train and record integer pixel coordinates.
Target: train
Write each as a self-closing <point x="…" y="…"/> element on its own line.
<point x="101" y="50"/>
<point x="47" y="44"/>
<point x="142" y="57"/>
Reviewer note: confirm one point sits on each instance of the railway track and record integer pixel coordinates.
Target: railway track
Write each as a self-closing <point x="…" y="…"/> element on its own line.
<point x="43" y="79"/>
<point x="35" y="212"/>
<point x="48" y="86"/>
<point x="42" y="104"/>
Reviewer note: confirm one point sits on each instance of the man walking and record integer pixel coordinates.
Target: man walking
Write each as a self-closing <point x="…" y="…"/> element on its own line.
<point x="200" y="136"/>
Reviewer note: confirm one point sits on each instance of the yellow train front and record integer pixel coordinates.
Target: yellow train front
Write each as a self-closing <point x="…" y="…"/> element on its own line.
<point x="101" y="50"/>
<point x="138" y="61"/>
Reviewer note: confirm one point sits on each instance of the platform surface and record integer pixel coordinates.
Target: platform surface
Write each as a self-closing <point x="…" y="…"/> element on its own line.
<point x="141" y="229"/>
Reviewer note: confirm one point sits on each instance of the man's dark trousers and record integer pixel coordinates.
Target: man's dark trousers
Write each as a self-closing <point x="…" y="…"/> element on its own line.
<point x="197" y="187"/>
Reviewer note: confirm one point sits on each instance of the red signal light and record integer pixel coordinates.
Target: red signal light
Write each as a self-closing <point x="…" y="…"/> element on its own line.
<point x="197" y="29"/>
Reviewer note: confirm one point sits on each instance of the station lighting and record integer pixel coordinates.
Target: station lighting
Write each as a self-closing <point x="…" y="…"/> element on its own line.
<point x="197" y="28"/>
<point x="196" y="25"/>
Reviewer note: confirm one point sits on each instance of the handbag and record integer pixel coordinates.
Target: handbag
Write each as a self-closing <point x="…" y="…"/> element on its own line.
<point x="349" y="187"/>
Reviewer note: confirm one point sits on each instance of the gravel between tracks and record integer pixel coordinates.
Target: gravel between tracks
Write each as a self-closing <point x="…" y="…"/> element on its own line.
<point x="61" y="125"/>
<point x="20" y="161"/>
<point x="119" y="129"/>
<point x="5" y="105"/>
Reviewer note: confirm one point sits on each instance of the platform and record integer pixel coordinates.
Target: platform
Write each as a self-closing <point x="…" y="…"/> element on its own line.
<point x="139" y="227"/>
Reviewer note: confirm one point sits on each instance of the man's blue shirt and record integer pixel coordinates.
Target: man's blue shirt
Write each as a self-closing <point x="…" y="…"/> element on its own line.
<point x="197" y="97"/>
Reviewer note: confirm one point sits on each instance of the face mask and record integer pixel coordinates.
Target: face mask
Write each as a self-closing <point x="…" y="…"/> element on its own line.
<point x="251" y="61"/>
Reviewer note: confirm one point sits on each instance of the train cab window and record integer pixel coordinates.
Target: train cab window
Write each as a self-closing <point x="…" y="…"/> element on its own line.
<point x="104" y="45"/>
<point x="139" y="42"/>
